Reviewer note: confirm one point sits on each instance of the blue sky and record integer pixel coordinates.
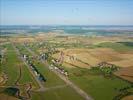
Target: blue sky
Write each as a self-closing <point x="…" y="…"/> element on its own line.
<point x="68" y="12"/>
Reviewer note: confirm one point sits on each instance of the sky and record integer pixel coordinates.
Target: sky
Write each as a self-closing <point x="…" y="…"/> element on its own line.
<point x="66" y="12"/>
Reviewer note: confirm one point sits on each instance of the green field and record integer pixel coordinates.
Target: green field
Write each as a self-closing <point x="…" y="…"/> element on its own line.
<point x="118" y="46"/>
<point x="99" y="87"/>
<point x="52" y="80"/>
<point x="11" y="68"/>
<point x="96" y="85"/>
<point x="65" y="93"/>
<point x="92" y="82"/>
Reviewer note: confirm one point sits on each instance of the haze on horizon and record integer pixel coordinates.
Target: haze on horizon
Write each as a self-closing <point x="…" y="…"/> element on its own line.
<point x="66" y="12"/>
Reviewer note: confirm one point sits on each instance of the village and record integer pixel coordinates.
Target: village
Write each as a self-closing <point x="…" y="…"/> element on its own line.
<point x="54" y="68"/>
<point x="39" y="76"/>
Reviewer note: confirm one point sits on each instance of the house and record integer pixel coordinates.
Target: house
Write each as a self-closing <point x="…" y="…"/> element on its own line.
<point x="105" y="64"/>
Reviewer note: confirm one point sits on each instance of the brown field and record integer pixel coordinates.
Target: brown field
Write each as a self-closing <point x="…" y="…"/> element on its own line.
<point x="128" y="97"/>
<point x="94" y="56"/>
<point x="2" y="80"/>
<point x="105" y="54"/>
<point x="79" y="54"/>
<point x="7" y="97"/>
<point x="126" y="73"/>
<point x="124" y="63"/>
<point x="85" y="58"/>
<point x="3" y="40"/>
<point x="23" y="39"/>
<point x="127" y="60"/>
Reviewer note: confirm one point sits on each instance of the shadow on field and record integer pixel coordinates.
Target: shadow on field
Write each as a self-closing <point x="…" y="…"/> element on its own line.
<point x="11" y="91"/>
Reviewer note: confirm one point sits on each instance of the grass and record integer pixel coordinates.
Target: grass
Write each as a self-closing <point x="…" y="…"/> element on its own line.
<point x="11" y="68"/>
<point x="52" y="80"/>
<point x="65" y="93"/>
<point x="22" y="50"/>
<point x="130" y="44"/>
<point x="99" y="87"/>
<point x="10" y="65"/>
<point x="120" y="47"/>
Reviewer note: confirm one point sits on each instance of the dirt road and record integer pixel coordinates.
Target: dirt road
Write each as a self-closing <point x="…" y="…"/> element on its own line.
<point x="65" y="79"/>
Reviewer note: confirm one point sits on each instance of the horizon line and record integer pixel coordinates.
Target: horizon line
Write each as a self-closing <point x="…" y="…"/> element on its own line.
<point x="65" y="25"/>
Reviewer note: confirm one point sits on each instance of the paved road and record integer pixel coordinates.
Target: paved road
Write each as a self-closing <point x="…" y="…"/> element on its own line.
<point x="66" y="80"/>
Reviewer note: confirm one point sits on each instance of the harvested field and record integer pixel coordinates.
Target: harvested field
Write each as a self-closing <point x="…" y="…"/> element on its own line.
<point x="128" y="97"/>
<point x="91" y="57"/>
<point x="127" y="60"/>
<point x="7" y="97"/>
<point x="79" y="54"/>
<point x="125" y="73"/>
<point x="105" y="54"/>
<point x="124" y="63"/>
<point x="77" y="57"/>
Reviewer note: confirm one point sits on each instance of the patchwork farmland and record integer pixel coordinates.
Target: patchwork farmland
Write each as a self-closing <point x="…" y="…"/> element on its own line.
<point x="48" y="69"/>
